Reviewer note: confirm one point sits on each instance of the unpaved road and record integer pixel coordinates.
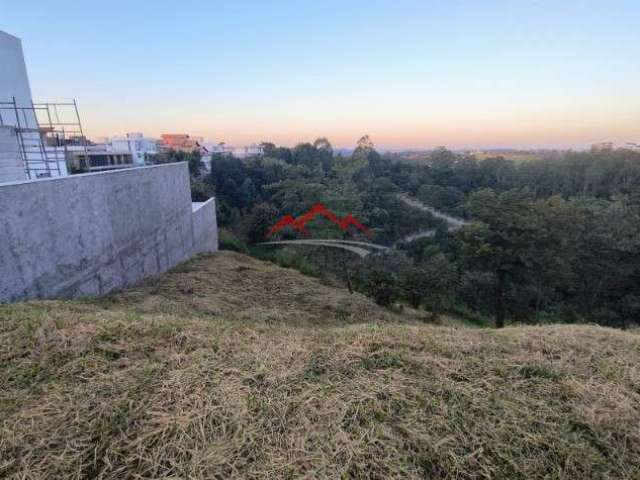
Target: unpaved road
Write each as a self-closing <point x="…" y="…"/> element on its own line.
<point x="453" y="223"/>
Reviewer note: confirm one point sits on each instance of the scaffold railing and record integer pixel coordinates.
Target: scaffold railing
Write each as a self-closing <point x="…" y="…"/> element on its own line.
<point x="45" y="133"/>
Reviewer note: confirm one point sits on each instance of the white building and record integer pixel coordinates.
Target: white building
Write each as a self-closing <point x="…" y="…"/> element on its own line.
<point x="96" y="159"/>
<point x="41" y="140"/>
<point x="24" y="152"/>
<point x="135" y="143"/>
<point x="14" y="84"/>
<point x="14" y="81"/>
<point x="225" y="149"/>
<point x="248" y="151"/>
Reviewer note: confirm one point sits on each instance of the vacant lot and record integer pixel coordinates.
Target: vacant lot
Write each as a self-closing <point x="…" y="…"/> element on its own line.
<point x="232" y="368"/>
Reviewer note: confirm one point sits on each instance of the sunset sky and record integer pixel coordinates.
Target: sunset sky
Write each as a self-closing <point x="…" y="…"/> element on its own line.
<point x="411" y="74"/>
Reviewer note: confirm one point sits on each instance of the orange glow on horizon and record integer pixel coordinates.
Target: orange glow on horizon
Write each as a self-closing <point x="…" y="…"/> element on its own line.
<point x="393" y="123"/>
<point x="527" y="133"/>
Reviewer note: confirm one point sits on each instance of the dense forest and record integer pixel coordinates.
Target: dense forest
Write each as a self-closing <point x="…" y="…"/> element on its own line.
<point x="555" y="239"/>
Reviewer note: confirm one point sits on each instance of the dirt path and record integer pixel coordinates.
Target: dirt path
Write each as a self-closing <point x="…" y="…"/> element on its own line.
<point x="453" y="223"/>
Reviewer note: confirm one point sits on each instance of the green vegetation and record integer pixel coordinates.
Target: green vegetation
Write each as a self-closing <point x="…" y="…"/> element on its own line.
<point x="229" y="367"/>
<point x="554" y="239"/>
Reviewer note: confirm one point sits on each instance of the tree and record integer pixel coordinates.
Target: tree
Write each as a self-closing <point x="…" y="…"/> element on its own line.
<point x="324" y="153"/>
<point x="431" y="284"/>
<point x="259" y="222"/>
<point x="362" y="158"/>
<point x="195" y="163"/>
<point x="365" y="144"/>
<point x="322" y="143"/>
<point x="201" y="191"/>
<point x="442" y="158"/>
<point x="268" y="149"/>
<point x="607" y="266"/>
<point x="413" y="286"/>
<point x="447" y="198"/>
<point x="378" y="276"/>
<point x="553" y="253"/>
<point x="381" y="286"/>
<point x="440" y="280"/>
<point x="500" y="239"/>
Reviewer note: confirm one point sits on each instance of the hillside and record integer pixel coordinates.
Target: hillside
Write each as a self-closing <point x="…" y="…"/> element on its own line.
<point x="228" y="367"/>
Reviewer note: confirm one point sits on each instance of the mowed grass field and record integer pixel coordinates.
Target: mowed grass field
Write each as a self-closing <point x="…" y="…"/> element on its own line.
<point x="516" y="157"/>
<point x="228" y="367"/>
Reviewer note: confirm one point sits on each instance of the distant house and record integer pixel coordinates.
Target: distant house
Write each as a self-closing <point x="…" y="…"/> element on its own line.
<point x="135" y="143"/>
<point x="248" y="151"/>
<point x="98" y="159"/>
<point x="182" y="142"/>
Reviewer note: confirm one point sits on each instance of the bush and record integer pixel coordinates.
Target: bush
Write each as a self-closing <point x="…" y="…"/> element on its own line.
<point x="228" y="241"/>
<point x="381" y="286"/>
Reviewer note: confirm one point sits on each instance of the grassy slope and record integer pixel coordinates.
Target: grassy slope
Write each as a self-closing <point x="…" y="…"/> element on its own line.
<point x="229" y="367"/>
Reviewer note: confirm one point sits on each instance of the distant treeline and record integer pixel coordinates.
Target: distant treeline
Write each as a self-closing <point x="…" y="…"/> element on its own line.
<point x="601" y="173"/>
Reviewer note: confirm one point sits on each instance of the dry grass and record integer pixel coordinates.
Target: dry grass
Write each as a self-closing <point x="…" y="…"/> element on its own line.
<point x="241" y="288"/>
<point x="187" y="378"/>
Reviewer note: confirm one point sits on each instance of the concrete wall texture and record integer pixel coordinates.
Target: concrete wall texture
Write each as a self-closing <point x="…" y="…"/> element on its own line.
<point x="205" y="232"/>
<point x="11" y="166"/>
<point x="85" y="235"/>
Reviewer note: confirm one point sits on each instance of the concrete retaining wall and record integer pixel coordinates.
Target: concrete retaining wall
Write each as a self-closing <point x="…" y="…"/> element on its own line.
<point x="205" y="226"/>
<point x="89" y="234"/>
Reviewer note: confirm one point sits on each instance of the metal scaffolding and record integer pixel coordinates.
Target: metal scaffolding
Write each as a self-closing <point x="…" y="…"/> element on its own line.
<point x="45" y="132"/>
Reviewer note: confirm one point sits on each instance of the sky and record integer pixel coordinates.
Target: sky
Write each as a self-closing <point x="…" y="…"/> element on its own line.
<point x="411" y="74"/>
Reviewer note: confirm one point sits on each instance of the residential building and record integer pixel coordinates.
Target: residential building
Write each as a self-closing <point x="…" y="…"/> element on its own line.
<point x="221" y="148"/>
<point x="135" y="143"/>
<point x="239" y="152"/>
<point x="99" y="159"/>
<point x="14" y="90"/>
<point x="182" y="142"/>
<point x="29" y="149"/>
<point x="248" y="151"/>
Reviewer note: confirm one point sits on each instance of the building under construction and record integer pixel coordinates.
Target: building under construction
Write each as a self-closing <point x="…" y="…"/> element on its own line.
<point x="36" y="139"/>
